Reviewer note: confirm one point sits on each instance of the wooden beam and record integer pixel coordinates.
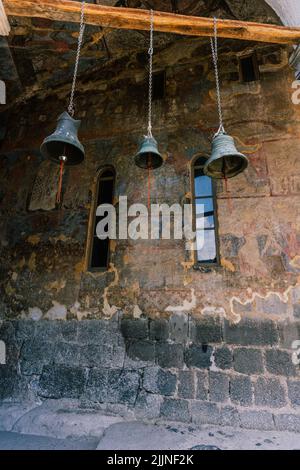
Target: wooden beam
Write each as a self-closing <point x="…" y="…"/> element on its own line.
<point x="133" y="18"/>
<point x="4" y="24"/>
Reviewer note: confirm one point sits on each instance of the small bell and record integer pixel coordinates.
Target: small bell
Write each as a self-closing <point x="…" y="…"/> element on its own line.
<point x="225" y="160"/>
<point x="148" y="155"/>
<point x="63" y="144"/>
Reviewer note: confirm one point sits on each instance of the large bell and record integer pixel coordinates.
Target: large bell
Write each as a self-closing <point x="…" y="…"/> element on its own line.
<point x="148" y="155"/>
<point x="63" y="144"/>
<point x="225" y="160"/>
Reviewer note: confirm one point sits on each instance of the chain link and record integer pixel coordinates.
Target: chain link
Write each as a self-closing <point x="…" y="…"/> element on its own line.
<point x="150" y="52"/>
<point x="71" y="109"/>
<point x="214" y="49"/>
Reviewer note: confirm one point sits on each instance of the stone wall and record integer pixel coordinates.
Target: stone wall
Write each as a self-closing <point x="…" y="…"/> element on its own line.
<point x="200" y="345"/>
<point x="203" y="372"/>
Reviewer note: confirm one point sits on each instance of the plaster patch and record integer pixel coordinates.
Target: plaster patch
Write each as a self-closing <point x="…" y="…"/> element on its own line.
<point x="214" y="311"/>
<point x="56" y="285"/>
<point x="32" y="262"/>
<point x="295" y="262"/>
<point x="35" y="313"/>
<point x="137" y="312"/>
<point x="34" y="239"/>
<point x="57" y="312"/>
<point x="186" y="306"/>
<point x="110" y="310"/>
<point x="227" y="265"/>
<point x="283" y="297"/>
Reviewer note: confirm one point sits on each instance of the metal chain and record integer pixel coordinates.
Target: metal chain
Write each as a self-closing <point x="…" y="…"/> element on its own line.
<point x="150" y="52"/>
<point x="71" y="109"/>
<point x="214" y="49"/>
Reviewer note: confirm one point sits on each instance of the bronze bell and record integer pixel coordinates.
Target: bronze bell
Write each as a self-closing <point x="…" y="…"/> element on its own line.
<point x="148" y="155"/>
<point x="225" y="160"/>
<point x="63" y="144"/>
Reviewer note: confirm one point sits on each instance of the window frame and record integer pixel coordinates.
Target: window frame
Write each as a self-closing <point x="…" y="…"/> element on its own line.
<point x="205" y="264"/>
<point x="92" y="218"/>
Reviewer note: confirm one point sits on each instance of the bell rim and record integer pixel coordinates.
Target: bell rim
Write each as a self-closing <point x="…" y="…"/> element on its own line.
<point x="53" y="159"/>
<point x="158" y="158"/>
<point x="244" y="165"/>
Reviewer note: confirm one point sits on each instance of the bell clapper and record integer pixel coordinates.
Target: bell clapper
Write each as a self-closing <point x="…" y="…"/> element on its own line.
<point x="63" y="159"/>
<point x="149" y="182"/>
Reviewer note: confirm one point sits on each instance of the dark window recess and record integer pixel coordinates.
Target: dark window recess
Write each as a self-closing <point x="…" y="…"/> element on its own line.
<point x="159" y="86"/>
<point x="99" y="257"/>
<point x="205" y="216"/>
<point x="249" y="70"/>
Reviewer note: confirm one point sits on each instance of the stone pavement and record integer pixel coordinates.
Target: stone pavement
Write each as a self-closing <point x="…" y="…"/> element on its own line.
<point x="62" y="425"/>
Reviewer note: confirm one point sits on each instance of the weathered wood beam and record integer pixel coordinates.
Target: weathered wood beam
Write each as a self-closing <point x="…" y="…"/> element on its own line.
<point x="4" y="24"/>
<point x="132" y="18"/>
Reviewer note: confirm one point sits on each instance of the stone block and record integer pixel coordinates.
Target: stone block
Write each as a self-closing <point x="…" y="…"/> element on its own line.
<point x="269" y="392"/>
<point x="218" y="386"/>
<point x="251" y="332"/>
<point x="186" y="384"/>
<point x="241" y="390"/>
<point x="205" y="413"/>
<point x="248" y="361"/>
<point x="178" y="325"/>
<point x="169" y="355"/>
<point x="135" y="329"/>
<point x="198" y="356"/>
<point x="294" y="392"/>
<point x="223" y="357"/>
<point x="229" y="416"/>
<point x="207" y="331"/>
<point x="148" y="405"/>
<point x="287" y="422"/>
<point x="175" y="410"/>
<point x="202" y="385"/>
<point x="140" y="350"/>
<point x="280" y="362"/>
<point x="160" y="381"/>
<point x="159" y="329"/>
<point x="257" y="420"/>
<point x="59" y="381"/>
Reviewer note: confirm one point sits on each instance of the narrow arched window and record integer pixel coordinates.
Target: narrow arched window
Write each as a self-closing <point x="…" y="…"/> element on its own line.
<point x="205" y="215"/>
<point x="99" y="249"/>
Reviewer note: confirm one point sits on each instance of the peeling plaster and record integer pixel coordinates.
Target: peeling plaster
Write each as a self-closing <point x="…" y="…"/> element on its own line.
<point x="57" y="312"/>
<point x="283" y="297"/>
<point x="110" y="310"/>
<point x="186" y="306"/>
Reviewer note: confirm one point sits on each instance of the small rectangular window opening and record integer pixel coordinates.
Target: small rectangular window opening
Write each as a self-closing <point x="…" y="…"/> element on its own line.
<point x="99" y="255"/>
<point x="159" y="86"/>
<point x="249" y="69"/>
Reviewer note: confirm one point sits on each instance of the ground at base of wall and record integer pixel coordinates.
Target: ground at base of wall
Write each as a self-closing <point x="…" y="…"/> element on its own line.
<point x="31" y="427"/>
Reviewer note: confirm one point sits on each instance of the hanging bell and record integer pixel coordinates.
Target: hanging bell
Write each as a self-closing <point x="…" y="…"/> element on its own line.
<point x="148" y="155"/>
<point x="63" y="144"/>
<point x="225" y="160"/>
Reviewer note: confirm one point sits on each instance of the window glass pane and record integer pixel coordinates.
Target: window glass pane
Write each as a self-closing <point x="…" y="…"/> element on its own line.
<point x="203" y="184"/>
<point x="204" y="209"/>
<point x="206" y="252"/>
